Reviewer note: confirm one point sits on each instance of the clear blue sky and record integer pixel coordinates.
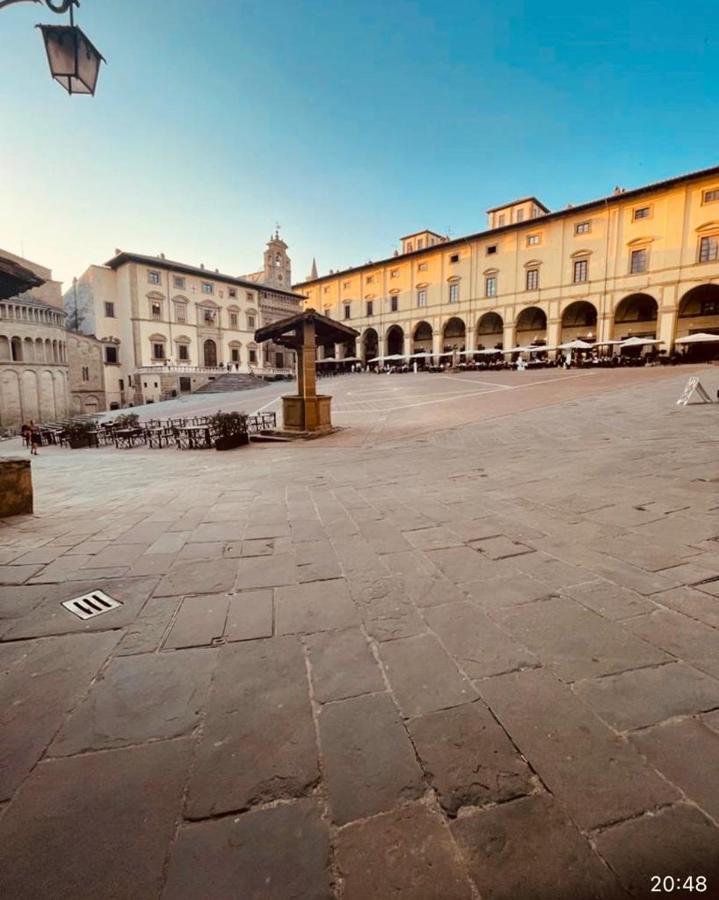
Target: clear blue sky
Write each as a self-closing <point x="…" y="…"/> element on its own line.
<point x="350" y="123"/>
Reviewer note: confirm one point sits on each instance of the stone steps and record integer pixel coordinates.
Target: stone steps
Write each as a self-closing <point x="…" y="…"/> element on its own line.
<point x="231" y="381"/>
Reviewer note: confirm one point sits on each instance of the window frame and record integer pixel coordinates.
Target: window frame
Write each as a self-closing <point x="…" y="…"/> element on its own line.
<point x="111" y="307"/>
<point x="207" y="288"/>
<point x="641" y="209"/>
<point x="586" y="227"/>
<point x="580" y="265"/>
<point x="490" y="285"/>
<point x="453" y="289"/>
<point x="532" y="275"/>
<point x="712" y="240"/>
<point x="154" y="276"/>
<point x="707" y="199"/>
<point x="636" y="253"/>
<point x="421" y="298"/>
<point x="346" y="311"/>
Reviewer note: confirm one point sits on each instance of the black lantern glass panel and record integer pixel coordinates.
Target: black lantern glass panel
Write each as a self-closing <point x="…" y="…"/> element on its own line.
<point x="74" y="61"/>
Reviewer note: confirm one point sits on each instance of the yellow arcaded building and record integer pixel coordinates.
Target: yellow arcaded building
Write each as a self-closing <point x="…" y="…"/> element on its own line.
<point x="641" y="262"/>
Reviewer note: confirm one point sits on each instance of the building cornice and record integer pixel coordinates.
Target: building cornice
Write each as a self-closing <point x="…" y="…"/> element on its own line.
<point x="603" y="202"/>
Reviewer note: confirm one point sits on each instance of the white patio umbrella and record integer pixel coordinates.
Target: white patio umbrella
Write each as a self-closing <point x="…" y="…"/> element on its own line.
<point x="421" y="355"/>
<point x="375" y="359"/>
<point x="349" y="359"/>
<point x="639" y="342"/>
<point x="702" y="337"/>
<point x="576" y="344"/>
<point x="395" y="356"/>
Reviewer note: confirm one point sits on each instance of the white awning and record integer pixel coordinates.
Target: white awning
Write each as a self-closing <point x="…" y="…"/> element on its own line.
<point x="640" y="341"/>
<point x="701" y="337"/>
<point x="576" y="344"/>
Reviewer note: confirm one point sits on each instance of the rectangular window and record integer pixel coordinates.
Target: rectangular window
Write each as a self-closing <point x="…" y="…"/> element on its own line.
<point x="253" y="356"/>
<point x="85" y="373"/>
<point x="110" y="354"/>
<point x="347" y="310"/>
<point x="233" y="320"/>
<point x="153" y="276"/>
<point x="110" y="310"/>
<point x="370" y="307"/>
<point x="249" y="296"/>
<point x="638" y="261"/>
<point x="454" y="258"/>
<point x="582" y="228"/>
<point x="532" y="279"/>
<point x="520" y="215"/>
<point x="490" y="286"/>
<point x="393" y="303"/>
<point x="491" y="249"/>
<point x="232" y="292"/>
<point x="711" y="196"/>
<point x="454" y="292"/>
<point x="250" y="322"/>
<point x="581" y="270"/>
<point x="207" y="287"/>
<point x="279" y="360"/>
<point x="422" y="297"/>
<point x="500" y="220"/>
<point x="394" y="273"/>
<point x="158" y="351"/>
<point x="642" y="212"/>
<point x="709" y="248"/>
<point x="235" y="354"/>
<point x="156" y="311"/>
<point x="532" y="240"/>
<point x="208" y="316"/>
<point x="178" y="281"/>
<point x="369" y="279"/>
<point x="180" y="313"/>
<point x="183" y="352"/>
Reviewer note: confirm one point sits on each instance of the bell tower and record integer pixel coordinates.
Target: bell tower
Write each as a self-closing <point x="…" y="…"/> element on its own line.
<point x="278" y="266"/>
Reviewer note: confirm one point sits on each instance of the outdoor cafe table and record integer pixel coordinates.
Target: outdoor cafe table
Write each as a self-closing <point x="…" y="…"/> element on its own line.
<point x="194" y="437"/>
<point x="127" y="437"/>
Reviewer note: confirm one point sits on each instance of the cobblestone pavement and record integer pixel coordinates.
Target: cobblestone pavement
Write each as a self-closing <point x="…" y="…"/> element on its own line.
<point x="467" y="647"/>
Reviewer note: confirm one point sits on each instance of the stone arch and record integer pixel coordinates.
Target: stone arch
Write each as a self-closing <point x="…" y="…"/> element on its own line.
<point x="10" y="403"/>
<point x="454" y="334"/>
<point x="16" y="349"/>
<point x="5" y="352"/>
<point x="422" y="337"/>
<point x="394" y="339"/>
<point x="370" y="345"/>
<point x="28" y="350"/>
<point x="91" y="404"/>
<point x="579" y="320"/>
<point x="490" y="331"/>
<point x="699" y="311"/>
<point x="531" y="326"/>
<point x="47" y="397"/>
<point x="29" y="396"/>
<point x="636" y="316"/>
<point x="39" y="350"/>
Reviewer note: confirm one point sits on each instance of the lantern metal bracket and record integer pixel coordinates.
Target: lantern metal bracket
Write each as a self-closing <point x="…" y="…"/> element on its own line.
<point x="57" y="6"/>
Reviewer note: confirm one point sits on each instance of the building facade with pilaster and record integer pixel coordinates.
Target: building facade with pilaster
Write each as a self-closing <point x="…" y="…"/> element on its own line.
<point x="636" y="263"/>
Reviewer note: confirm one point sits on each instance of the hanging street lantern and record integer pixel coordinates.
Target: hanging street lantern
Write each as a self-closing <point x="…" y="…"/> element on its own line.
<point x="73" y="59"/>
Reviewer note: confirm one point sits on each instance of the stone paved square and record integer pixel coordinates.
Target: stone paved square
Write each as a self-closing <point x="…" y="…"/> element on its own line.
<point x="464" y="647"/>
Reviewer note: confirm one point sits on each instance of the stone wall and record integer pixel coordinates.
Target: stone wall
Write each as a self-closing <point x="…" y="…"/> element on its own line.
<point x="86" y="374"/>
<point x="15" y="487"/>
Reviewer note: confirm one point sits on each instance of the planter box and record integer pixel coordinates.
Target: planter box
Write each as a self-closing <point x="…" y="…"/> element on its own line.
<point x="232" y="441"/>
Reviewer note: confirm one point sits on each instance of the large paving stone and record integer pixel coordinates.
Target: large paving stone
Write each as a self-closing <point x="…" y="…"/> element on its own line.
<point x="530" y="849"/>
<point x="422" y="676"/>
<point x="281" y="853"/>
<point x="610" y="600"/>
<point x="405" y="853"/>
<point x="512" y="591"/>
<point x="94" y="826"/>
<point x="479" y="646"/>
<point x="595" y="774"/>
<point x="691" y="602"/>
<point x="385" y="606"/>
<point x="342" y="665"/>
<point x="137" y="699"/>
<point x="250" y="616"/>
<point x="265" y="571"/>
<point x="199" y="621"/>
<point x="687" y="754"/>
<point x="681" y="636"/>
<point x="647" y="696"/>
<point x="435" y="538"/>
<point x="49" y="616"/>
<point x="432" y="590"/>
<point x="369" y="763"/>
<point x="315" y="606"/>
<point x="678" y="841"/>
<point x="199" y="577"/>
<point x="500" y="547"/>
<point x="468" y="758"/>
<point x="576" y="642"/>
<point x="41" y="681"/>
<point x="210" y="532"/>
<point x="145" y="634"/>
<point x="258" y="742"/>
<point x="462" y="564"/>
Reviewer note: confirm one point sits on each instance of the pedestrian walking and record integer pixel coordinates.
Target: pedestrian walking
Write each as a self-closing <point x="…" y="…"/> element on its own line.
<point x="35" y="440"/>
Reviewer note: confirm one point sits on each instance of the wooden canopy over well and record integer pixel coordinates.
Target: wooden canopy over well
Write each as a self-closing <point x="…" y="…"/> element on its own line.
<point x="289" y="332"/>
<point x="14" y="278"/>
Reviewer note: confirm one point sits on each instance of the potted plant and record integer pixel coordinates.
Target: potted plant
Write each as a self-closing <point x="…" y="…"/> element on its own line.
<point x="230" y="429"/>
<point x="78" y="433"/>
<point x="126" y="420"/>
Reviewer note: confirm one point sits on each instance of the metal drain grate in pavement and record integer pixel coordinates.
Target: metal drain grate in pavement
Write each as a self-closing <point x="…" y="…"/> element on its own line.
<point x="90" y="605"/>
